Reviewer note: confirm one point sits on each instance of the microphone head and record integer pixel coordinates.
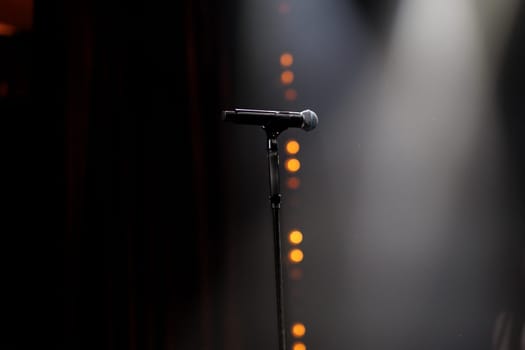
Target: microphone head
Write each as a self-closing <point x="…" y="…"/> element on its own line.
<point x="310" y="119"/>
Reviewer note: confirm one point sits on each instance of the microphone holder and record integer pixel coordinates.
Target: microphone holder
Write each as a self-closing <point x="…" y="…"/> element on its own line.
<point x="274" y="127"/>
<point x="272" y="132"/>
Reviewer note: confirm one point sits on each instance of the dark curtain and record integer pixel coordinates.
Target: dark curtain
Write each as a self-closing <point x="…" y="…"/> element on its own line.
<point x="120" y="235"/>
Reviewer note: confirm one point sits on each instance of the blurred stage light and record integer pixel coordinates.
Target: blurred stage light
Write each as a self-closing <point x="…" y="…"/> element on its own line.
<point x="298" y="330"/>
<point x="293" y="183"/>
<point x="299" y="346"/>
<point x="296" y="273"/>
<point x="292" y="165"/>
<point x="292" y="147"/>
<point x="295" y="237"/>
<point x="287" y="77"/>
<point x="286" y="59"/>
<point x="296" y="255"/>
<point x="290" y="94"/>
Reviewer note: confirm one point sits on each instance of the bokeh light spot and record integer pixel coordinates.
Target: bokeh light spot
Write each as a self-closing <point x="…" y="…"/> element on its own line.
<point x="287" y="77"/>
<point x="290" y="94"/>
<point x="296" y="273"/>
<point x="286" y="59"/>
<point x="299" y="346"/>
<point x="292" y="147"/>
<point x="298" y="330"/>
<point x="293" y="183"/>
<point x="295" y="237"/>
<point x="292" y="165"/>
<point x="296" y="255"/>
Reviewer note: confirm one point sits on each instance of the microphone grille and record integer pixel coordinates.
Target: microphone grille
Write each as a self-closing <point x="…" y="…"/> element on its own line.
<point x="310" y="119"/>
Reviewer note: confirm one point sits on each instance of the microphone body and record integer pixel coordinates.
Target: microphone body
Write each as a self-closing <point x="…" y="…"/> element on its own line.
<point x="306" y="120"/>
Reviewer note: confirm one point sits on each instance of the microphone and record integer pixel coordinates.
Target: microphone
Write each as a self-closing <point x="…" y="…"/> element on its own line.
<point x="306" y="120"/>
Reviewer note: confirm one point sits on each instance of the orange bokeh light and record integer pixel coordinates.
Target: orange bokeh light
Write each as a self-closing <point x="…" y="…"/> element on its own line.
<point x="296" y="255"/>
<point x="292" y="147"/>
<point x="290" y="94"/>
<point x="286" y="59"/>
<point x="287" y="77"/>
<point x="293" y="183"/>
<point x="292" y="165"/>
<point x="299" y="346"/>
<point x="295" y="237"/>
<point x="296" y="273"/>
<point x="298" y="330"/>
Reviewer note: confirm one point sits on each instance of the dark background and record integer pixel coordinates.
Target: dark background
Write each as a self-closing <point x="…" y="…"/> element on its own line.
<point x="113" y="176"/>
<point x="119" y="184"/>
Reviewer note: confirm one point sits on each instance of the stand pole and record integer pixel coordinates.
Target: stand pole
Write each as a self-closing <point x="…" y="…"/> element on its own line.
<point x="275" y="200"/>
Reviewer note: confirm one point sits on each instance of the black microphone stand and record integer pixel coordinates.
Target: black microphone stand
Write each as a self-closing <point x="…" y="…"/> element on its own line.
<point x="272" y="132"/>
<point x="275" y="124"/>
